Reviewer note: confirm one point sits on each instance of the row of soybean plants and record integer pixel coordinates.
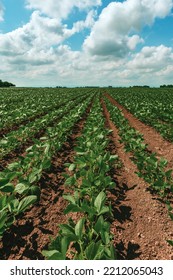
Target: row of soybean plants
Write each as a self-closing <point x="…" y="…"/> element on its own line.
<point x="89" y="238"/>
<point x="18" y="182"/>
<point x="18" y="105"/>
<point x="16" y="138"/>
<point x="151" y="106"/>
<point x="150" y="167"/>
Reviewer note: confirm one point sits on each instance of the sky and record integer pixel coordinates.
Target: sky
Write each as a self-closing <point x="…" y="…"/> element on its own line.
<point x="86" y="42"/>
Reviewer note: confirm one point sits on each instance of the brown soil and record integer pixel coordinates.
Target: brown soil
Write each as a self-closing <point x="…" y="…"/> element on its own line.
<point x="32" y="231"/>
<point x="155" y="141"/>
<point x="141" y="223"/>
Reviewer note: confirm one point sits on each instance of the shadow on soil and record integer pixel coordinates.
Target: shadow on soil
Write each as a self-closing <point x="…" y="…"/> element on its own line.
<point x="17" y="235"/>
<point x="129" y="253"/>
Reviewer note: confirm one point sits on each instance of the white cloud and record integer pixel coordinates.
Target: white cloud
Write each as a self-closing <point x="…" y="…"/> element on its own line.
<point x="119" y="21"/>
<point x="80" y="25"/>
<point x="39" y="33"/>
<point x="152" y="58"/>
<point x="152" y="65"/>
<point x="36" y="54"/>
<point x="62" y="8"/>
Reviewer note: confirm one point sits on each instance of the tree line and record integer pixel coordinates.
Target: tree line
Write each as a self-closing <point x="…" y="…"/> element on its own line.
<point x="6" y="84"/>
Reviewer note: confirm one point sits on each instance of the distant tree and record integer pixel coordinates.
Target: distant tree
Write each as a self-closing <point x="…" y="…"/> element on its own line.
<point x="145" y="86"/>
<point x="166" y="86"/>
<point x="6" y="84"/>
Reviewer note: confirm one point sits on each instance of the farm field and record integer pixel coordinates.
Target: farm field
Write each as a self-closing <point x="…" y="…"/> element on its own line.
<point x="86" y="173"/>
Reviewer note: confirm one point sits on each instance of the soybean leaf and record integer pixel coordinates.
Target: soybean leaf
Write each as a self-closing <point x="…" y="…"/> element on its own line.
<point x="3" y="181"/>
<point x="99" y="201"/>
<point x="21" y="188"/>
<point x="3" y="202"/>
<point x="7" y="188"/>
<point x="53" y="255"/>
<point x="3" y="218"/>
<point x="79" y="227"/>
<point x="26" y="202"/>
<point x="170" y="242"/>
<point x="71" y="167"/>
<point x="94" y="250"/>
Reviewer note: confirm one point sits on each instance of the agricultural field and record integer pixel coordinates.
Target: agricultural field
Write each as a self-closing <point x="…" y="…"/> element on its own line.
<point x="86" y="173"/>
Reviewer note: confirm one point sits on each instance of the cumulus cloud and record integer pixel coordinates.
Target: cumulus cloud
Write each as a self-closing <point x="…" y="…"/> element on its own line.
<point x="150" y="64"/>
<point x="82" y="24"/>
<point x="60" y="9"/>
<point x="39" y="33"/>
<point x="36" y="53"/>
<point x="150" y="59"/>
<point x="120" y="22"/>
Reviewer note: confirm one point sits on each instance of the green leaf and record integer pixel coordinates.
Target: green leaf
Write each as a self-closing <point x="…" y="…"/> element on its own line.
<point x="3" y="202"/>
<point x="10" y="221"/>
<point x="21" y="188"/>
<point x="72" y="208"/>
<point x="94" y="251"/>
<point x="66" y="229"/>
<point x="69" y="198"/>
<point x="7" y="188"/>
<point x="46" y="164"/>
<point x="11" y="175"/>
<point x="35" y="190"/>
<point x="26" y="202"/>
<point x="168" y="173"/>
<point x="104" y="209"/>
<point x="3" y="218"/>
<point x="105" y="236"/>
<point x="13" y="205"/>
<point x="70" y="181"/>
<point x="79" y="227"/>
<point x="4" y="181"/>
<point x="65" y="242"/>
<point x="170" y="242"/>
<point x="14" y="166"/>
<point x="99" y="224"/>
<point x="171" y="215"/>
<point x="99" y="201"/>
<point x="32" y="178"/>
<point x="71" y="167"/>
<point x="53" y="255"/>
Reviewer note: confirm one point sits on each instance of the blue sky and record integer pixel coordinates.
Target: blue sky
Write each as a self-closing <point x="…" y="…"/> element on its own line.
<point x="85" y="42"/>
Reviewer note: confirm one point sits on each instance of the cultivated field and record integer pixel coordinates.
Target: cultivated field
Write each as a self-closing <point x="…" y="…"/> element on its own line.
<point x="86" y="173"/>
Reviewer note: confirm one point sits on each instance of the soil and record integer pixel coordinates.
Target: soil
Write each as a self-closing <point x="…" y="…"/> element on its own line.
<point x="141" y="223"/>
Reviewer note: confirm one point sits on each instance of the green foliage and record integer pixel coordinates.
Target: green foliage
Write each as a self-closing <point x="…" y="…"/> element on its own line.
<point x="90" y="237"/>
<point x="18" y="182"/>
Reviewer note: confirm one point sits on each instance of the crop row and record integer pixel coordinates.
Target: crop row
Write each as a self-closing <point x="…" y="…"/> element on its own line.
<point x="18" y="182"/>
<point x="150" y="167"/>
<point x="151" y="106"/>
<point x="21" y="105"/>
<point x="89" y="238"/>
<point x="16" y="138"/>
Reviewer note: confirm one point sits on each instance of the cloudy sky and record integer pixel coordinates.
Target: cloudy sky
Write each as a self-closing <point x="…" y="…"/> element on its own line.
<point x="86" y="42"/>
